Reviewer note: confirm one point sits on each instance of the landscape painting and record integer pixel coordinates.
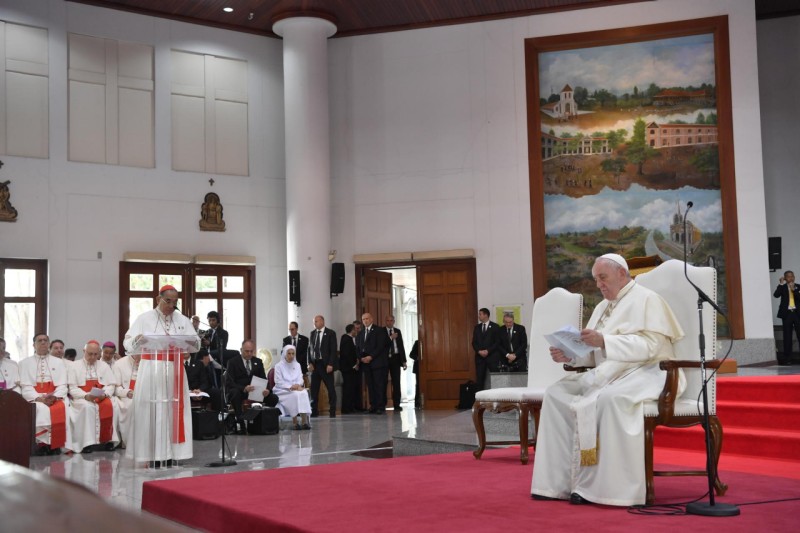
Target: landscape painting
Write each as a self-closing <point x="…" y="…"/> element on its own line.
<point x="628" y="135"/>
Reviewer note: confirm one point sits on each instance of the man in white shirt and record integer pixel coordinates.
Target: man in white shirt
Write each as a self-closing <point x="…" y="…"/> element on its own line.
<point x="92" y="412"/>
<point x="9" y="370"/>
<point x="43" y="380"/>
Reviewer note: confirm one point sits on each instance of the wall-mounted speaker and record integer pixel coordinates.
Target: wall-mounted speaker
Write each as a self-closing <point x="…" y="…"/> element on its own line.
<point x="294" y="286"/>
<point x="337" y="279"/>
<point x="774" y="246"/>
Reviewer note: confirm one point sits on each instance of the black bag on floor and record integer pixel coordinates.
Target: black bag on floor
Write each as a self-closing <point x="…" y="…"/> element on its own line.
<point x="205" y="424"/>
<point x="264" y="421"/>
<point x="466" y="395"/>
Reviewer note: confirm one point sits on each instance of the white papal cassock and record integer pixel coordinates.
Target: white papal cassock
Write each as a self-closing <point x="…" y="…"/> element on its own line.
<point x="93" y="422"/>
<point x="40" y="375"/>
<point x="161" y="430"/>
<point x="125" y="372"/>
<point x="591" y="431"/>
<point x="9" y="374"/>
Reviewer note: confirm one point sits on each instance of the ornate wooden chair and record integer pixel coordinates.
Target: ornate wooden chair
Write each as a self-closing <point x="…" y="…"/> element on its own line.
<point x="552" y="311"/>
<point x="685" y="410"/>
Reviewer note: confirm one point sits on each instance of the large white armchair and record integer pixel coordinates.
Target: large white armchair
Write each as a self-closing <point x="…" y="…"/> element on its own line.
<point x="552" y="311"/>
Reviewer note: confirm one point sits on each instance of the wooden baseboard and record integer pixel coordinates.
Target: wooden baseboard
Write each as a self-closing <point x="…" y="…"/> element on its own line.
<point x="728" y="367"/>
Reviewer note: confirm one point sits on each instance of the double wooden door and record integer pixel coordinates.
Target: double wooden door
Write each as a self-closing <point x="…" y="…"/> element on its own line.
<point x="447" y="306"/>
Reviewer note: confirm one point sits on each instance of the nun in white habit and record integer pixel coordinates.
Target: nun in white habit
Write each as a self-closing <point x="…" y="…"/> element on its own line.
<point x="292" y="394"/>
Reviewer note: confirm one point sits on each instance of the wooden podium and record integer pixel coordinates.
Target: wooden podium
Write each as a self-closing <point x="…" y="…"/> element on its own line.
<point x="18" y="420"/>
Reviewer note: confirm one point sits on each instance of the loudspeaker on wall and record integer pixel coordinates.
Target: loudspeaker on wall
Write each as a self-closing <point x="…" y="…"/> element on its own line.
<point x="774" y="246"/>
<point x="337" y="278"/>
<point x="294" y="286"/>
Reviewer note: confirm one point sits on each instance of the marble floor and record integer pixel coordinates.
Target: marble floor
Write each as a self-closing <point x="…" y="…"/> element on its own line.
<point x="329" y="441"/>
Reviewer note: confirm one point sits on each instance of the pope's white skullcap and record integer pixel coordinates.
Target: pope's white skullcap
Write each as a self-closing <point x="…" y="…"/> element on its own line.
<point x="618" y="259"/>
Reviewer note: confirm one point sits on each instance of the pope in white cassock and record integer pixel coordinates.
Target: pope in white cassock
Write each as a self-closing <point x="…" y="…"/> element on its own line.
<point x="162" y="416"/>
<point x="590" y="446"/>
<point x="125" y="373"/>
<point x="9" y="370"/>
<point x="92" y="412"/>
<point x="43" y="380"/>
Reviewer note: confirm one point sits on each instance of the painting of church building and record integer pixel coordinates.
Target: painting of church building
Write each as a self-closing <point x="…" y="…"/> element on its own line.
<point x="693" y="237"/>
<point x="565" y="108"/>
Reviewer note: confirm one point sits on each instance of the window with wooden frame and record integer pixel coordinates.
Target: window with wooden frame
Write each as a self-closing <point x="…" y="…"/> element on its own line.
<point x="23" y="304"/>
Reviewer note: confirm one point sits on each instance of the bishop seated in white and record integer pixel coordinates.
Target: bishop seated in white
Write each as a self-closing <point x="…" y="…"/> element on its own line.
<point x="9" y="370"/>
<point x="43" y="380"/>
<point x="125" y="372"/>
<point x="92" y="412"/>
<point x="590" y="446"/>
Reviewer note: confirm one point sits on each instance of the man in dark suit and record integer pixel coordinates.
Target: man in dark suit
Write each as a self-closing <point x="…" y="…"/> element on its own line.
<point x="484" y="342"/>
<point x="322" y="362"/>
<point x="197" y="376"/>
<point x="300" y="342"/>
<point x="215" y="342"/>
<point x="240" y="373"/>
<point x="373" y="353"/>
<point x="414" y="355"/>
<point x="397" y="359"/>
<point x="513" y="342"/>
<point x="789" y="293"/>
<point x="348" y="365"/>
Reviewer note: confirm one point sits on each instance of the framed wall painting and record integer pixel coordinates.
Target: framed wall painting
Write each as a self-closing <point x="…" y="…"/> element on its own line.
<point x="625" y="128"/>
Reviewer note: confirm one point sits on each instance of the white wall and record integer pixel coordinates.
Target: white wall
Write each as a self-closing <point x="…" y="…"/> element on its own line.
<point x="431" y="123"/>
<point x="779" y="83"/>
<point x="68" y="212"/>
<point x="429" y="151"/>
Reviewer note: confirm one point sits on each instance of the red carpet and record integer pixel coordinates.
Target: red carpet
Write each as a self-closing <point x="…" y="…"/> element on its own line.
<point x="760" y="418"/>
<point x="444" y="493"/>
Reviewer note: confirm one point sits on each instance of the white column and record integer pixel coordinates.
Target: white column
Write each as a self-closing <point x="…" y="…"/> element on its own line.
<point x="308" y="189"/>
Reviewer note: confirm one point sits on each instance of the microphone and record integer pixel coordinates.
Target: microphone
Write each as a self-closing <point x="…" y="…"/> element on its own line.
<point x="701" y="295"/>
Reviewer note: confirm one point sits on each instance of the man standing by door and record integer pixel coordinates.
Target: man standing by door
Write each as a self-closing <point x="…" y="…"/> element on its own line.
<point x="397" y="360"/>
<point x="373" y="353"/>
<point x="485" y="344"/>
<point x="322" y="362"/>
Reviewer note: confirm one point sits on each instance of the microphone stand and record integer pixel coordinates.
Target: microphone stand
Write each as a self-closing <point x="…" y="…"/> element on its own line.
<point x="701" y="508"/>
<point x="222" y="415"/>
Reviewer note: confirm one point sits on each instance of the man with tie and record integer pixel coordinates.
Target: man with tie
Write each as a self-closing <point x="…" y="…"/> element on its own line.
<point x="215" y="339"/>
<point x="789" y="293"/>
<point x="348" y="365"/>
<point x="513" y="345"/>
<point x="397" y="360"/>
<point x="373" y="353"/>
<point x="485" y="344"/>
<point x="322" y="362"/>
<point x="300" y="343"/>
<point x="239" y="375"/>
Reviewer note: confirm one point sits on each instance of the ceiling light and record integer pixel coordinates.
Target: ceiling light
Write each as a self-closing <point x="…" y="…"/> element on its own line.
<point x="227" y="9"/>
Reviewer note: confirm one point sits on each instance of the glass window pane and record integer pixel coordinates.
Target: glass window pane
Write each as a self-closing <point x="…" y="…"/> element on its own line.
<point x="201" y="308"/>
<point x="176" y="280"/>
<point x="205" y="283"/>
<point x="233" y="321"/>
<point x="19" y="322"/>
<point x="20" y="282"/>
<point x="137" y="306"/>
<point x="141" y="282"/>
<point x="233" y="283"/>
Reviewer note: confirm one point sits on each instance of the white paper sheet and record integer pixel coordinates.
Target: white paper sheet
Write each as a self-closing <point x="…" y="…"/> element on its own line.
<point x="569" y="340"/>
<point x="257" y="394"/>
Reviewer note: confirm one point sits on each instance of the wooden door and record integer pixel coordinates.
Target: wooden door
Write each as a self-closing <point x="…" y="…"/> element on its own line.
<point x="448" y="305"/>
<point x="377" y="295"/>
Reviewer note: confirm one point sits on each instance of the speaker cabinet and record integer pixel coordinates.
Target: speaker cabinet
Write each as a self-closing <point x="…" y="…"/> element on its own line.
<point x="774" y="246"/>
<point x="337" y="279"/>
<point x="294" y="286"/>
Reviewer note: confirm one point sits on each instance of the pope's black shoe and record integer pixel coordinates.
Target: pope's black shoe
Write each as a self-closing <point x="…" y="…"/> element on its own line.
<point x="577" y="499"/>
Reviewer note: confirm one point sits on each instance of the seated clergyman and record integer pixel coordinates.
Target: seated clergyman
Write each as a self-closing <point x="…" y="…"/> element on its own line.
<point x="92" y="412"/>
<point x="590" y="446"/>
